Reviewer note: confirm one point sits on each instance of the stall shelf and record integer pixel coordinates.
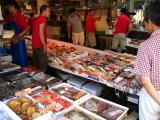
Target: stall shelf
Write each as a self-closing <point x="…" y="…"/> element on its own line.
<point x="90" y="51"/>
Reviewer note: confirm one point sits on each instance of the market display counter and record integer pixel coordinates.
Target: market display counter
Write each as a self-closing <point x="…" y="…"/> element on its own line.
<point x="106" y="67"/>
<point x="30" y="94"/>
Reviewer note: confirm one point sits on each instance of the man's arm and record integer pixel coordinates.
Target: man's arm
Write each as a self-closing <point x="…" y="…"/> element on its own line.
<point x="25" y="31"/>
<point x="147" y="84"/>
<point x="20" y="36"/>
<point x="42" y="37"/>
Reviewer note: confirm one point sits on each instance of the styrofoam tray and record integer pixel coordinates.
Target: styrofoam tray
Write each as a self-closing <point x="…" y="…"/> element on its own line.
<point x="68" y="85"/>
<point x="87" y="113"/>
<point x="59" y="96"/>
<point x="8" y="111"/>
<point x="8" y="33"/>
<point x="121" y="117"/>
<point x="16" y="67"/>
<point x="64" y="76"/>
<point x="38" y="105"/>
<point x="44" y="117"/>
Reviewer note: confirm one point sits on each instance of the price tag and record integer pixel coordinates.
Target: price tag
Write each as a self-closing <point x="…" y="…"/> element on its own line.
<point x="36" y="88"/>
<point x="118" y="79"/>
<point x="48" y="80"/>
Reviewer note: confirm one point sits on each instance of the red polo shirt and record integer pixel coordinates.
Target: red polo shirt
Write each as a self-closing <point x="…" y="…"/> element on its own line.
<point x="122" y="24"/>
<point x="90" y="23"/>
<point x="36" y="42"/>
<point x="18" y="18"/>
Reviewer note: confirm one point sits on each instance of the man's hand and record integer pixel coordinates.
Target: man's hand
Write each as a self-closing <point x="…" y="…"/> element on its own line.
<point x="147" y="84"/>
<point x="16" y="38"/>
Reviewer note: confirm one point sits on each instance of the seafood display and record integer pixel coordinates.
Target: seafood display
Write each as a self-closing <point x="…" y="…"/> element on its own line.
<point x="78" y="115"/>
<point x="102" y="109"/>
<point x="24" y="108"/>
<point x="51" y="101"/>
<point x="69" y="92"/>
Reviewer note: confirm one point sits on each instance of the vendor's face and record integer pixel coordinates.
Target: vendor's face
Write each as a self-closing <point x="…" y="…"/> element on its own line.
<point x="48" y="12"/>
<point x="11" y="9"/>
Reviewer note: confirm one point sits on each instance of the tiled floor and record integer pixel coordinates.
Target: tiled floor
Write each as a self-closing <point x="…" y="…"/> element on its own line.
<point x="132" y="116"/>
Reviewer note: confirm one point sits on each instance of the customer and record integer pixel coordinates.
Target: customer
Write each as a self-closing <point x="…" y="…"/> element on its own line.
<point x="39" y="39"/>
<point x="17" y="23"/>
<point x="74" y="25"/>
<point x="122" y="25"/>
<point x="148" y="65"/>
<point x="90" y="29"/>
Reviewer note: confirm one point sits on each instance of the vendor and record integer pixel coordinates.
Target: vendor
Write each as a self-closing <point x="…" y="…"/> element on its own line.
<point x="74" y="25"/>
<point x="91" y="29"/>
<point x="122" y="26"/>
<point x="39" y="38"/>
<point x="17" y="23"/>
<point x="148" y="65"/>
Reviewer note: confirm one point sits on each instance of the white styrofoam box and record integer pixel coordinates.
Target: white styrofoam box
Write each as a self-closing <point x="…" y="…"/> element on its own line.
<point x="84" y="111"/>
<point x="133" y="98"/>
<point x="4" y="108"/>
<point x="121" y="117"/>
<point x="93" y="88"/>
<point x="45" y="116"/>
<point x="5" y="59"/>
<point x="8" y="34"/>
<point x="78" y="82"/>
<point x="40" y="106"/>
<point x="68" y="85"/>
<point x="64" y="76"/>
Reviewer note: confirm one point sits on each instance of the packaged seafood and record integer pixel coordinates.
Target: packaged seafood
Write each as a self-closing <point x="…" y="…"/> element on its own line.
<point x="51" y="101"/>
<point x="25" y="107"/>
<point x="69" y="91"/>
<point x="104" y="109"/>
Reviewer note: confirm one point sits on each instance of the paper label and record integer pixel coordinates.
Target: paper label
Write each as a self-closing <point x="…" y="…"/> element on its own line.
<point x="118" y="79"/>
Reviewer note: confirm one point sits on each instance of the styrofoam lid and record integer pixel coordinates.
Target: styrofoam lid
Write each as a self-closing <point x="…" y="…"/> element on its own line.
<point x="93" y="87"/>
<point x="8" y="33"/>
<point x="77" y="80"/>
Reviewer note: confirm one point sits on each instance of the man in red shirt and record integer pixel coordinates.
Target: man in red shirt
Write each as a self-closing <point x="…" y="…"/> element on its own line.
<point x="39" y="39"/>
<point x="122" y="26"/>
<point x="90" y="29"/>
